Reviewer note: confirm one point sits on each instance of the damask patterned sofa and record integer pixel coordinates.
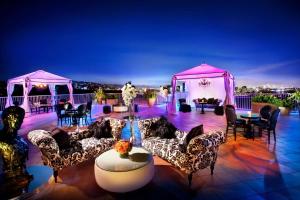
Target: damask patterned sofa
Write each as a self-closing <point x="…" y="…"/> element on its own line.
<point x="200" y="153"/>
<point x="83" y="146"/>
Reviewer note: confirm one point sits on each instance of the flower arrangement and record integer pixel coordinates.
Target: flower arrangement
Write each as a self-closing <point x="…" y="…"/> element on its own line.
<point x="128" y="93"/>
<point x="164" y="91"/>
<point x="123" y="147"/>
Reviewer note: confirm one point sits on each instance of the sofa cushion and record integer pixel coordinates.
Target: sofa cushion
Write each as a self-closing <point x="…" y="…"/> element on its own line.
<point x="93" y="145"/>
<point x="61" y="137"/>
<point x="168" y="149"/>
<point x="163" y="129"/>
<point x="196" y="131"/>
<point x="144" y="126"/>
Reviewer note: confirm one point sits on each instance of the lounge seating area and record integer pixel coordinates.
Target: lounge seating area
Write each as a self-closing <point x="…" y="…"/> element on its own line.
<point x="188" y="151"/>
<point x="179" y="159"/>
<point x="60" y="149"/>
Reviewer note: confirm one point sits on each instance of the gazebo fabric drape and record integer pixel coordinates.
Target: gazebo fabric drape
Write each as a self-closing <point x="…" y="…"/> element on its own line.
<point x="27" y="86"/>
<point x="40" y="76"/>
<point x="52" y="92"/>
<point x="10" y="89"/>
<point x="71" y="92"/>
<point x="204" y="71"/>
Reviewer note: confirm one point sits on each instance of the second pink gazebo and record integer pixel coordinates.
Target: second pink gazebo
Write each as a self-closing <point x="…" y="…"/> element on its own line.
<point x="205" y="81"/>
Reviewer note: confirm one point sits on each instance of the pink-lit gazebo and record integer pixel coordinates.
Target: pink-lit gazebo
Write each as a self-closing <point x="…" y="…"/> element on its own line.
<point x="205" y="81"/>
<point x="36" y="78"/>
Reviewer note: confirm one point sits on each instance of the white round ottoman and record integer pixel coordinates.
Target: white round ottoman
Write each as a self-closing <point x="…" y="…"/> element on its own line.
<point x="120" y="108"/>
<point x="117" y="174"/>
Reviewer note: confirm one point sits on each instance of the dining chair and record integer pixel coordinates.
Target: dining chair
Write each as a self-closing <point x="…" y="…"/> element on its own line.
<point x="61" y="116"/>
<point x="232" y="120"/>
<point x="81" y="113"/>
<point x="269" y="126"/>
<point x="89" y="109"/>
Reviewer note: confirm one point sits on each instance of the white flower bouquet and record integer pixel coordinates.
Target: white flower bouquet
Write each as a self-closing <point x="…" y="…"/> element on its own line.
<point x="128" y="93"/>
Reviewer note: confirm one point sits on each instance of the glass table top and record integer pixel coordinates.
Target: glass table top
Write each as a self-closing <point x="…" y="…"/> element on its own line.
<point x="111" y="161"/>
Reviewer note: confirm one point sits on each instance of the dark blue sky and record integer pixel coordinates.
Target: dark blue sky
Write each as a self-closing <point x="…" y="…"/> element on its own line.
<point x="148" y="41"/>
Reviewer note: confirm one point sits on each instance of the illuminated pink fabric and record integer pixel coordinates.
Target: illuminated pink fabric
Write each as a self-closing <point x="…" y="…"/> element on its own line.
<point x="31" y="79"/>
<point x="204" y="71"/>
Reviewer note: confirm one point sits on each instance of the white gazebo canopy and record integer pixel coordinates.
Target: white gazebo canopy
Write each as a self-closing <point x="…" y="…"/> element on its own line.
<point x="36" y="78"/>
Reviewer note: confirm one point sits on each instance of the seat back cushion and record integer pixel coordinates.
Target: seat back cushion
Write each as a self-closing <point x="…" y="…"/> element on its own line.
<point x="61" y="137"/>
<point x="194" y="132"/>
<point x="144" y="126"/>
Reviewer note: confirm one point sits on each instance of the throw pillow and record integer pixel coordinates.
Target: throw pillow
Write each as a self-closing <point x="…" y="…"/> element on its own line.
<point x="61" y="137"/>
<point x="163" y="129"/>
<point x="103" y="130"/>
<point x="198" y="130"/>
<point x="210" y="100"/>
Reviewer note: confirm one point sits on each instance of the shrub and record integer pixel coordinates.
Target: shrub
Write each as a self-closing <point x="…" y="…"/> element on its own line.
<point x="267" y="99"/>
<point x="150" y="93"/>
<point x="288" y="103"/>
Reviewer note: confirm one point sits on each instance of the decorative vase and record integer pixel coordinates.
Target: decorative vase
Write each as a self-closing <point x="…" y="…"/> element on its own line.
<point x="151" y="101"/>
<point x="132" y="135"/>
<point x="131" y="111"/>
<point x="124" y="155"/>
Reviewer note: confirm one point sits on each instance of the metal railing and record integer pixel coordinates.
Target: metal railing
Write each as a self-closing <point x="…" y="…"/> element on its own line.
<point x="78" y="98"/>
<point x="241" y="101"/>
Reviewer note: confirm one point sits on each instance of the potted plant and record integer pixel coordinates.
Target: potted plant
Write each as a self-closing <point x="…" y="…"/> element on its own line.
<point x="285" y="108"/>
<point x="150" y="95"/>
<point x="296" y="97"/>
<point x="99" y="95"/>
<point x="112" y="99"/>
<point x="261" y="100"/>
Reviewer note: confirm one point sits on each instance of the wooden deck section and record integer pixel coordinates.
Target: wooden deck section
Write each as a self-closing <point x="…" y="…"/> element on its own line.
<point x="245" y="169"/>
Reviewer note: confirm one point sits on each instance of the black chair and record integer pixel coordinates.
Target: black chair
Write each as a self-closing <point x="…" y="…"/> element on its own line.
<point x="61" y="115"/>
<point x="68" y="106"/>
<point x="81" y="113"/>
<point x="265" y="112"/>
<point x="269" y="125"/>
<point x="106" y="109"/>
<point x="219" y="110"/>
<point x="89" y="109"/>
<point x="232" y="120"/>
<point x="183" y="107"/>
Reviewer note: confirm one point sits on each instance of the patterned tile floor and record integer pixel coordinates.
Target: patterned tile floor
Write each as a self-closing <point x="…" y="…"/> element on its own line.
<point x="245" y="169"/>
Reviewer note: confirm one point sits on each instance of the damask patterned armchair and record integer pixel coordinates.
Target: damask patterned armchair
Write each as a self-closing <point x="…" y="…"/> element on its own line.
<point x="83" y="146"/>
<point x="200" y="153"/>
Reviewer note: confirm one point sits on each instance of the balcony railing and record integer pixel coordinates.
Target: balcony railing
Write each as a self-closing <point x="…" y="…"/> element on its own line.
<point x="242" y="101"/>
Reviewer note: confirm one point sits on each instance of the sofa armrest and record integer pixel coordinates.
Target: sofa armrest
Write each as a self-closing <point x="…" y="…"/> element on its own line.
<point x="81" y="134"/>
<point x="202" y="150"/>
<point x="144" y="126"/>
<point x="206" y="141"/>
<point x="43" y="140"/>
<point x="48" y="147"/>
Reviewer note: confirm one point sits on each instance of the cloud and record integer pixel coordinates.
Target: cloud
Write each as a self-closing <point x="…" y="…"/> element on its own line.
<point x="259" y="80"/>
<point x="121" y="79"/>
<point x="270" y="67"/>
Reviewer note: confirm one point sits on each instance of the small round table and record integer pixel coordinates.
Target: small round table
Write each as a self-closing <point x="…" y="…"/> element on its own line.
<point x="202" y="106"/>
<point x="250" y="118"/>
<point x="116" y="174"/>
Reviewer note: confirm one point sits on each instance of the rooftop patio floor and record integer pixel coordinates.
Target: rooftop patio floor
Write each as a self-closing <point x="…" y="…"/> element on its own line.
<point x="245" y="169"/>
